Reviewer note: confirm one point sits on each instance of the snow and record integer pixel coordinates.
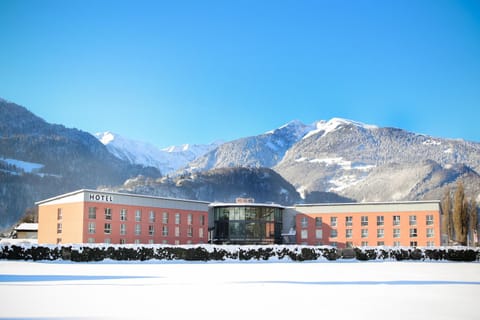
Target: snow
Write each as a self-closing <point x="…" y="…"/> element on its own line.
<point x="333" y="124"/>
<point x="167" y="160"/>
<point x="240" y="290"/>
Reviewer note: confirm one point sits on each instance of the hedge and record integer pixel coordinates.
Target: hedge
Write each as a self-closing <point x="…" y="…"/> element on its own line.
<point x="96" y="252"/>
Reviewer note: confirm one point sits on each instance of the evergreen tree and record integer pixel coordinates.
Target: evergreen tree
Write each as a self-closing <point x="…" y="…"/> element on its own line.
<point x="460" y="215"/>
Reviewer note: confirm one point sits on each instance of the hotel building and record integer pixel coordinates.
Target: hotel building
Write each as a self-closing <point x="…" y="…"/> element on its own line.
<point x="90" y="216"/>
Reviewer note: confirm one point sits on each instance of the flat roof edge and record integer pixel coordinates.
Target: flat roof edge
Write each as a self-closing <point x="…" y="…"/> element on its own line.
<point x="117" y="193"/>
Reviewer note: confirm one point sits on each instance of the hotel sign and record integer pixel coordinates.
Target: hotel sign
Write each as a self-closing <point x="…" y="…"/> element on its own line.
<point x="100" y="197"/>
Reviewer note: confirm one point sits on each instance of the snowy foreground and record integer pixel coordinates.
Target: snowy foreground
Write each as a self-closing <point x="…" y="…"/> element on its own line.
<point x="240" y="290"/>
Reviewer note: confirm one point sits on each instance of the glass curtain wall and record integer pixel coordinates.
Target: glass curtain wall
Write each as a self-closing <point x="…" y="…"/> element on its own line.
<point x="248" y="224"/>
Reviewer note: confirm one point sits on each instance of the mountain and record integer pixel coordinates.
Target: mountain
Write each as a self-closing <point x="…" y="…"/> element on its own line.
<point x="39" y="160"/>
<point x="264" y="150"/>
<point x="218" y="185"/>
<point x="167" y="160"/>
<point x="369" y="163"/>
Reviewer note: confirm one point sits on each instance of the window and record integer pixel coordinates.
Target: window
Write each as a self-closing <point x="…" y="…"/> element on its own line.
<point x="349" y="244"/>
<point x="59" y="228"/>
<point x="122" y="241"/>
<point x="304" y="234"/>
<point x="380" y="233"/>
<point x="59" y="214"/>
<point x="165" y="217"/>
<point x="333" y="221"/>
<point x="364" y="233"/>
<point x="108" y="214"/>
<point x="91" y="227"/>
<point x="92" y="213"/>
<point x="59" y="240"/>
<point x="123" y="229"/>
<point x="348" y="233"/>
<point x="319" y="234"/>
<point x="412" y="220"/>
<point x="430" y="243"/>
<point x="164" y="231"/>
<point x="333" y="244"/>
<point x="413" y="243"/>
<point x="380" y="243"/>
<point x="396" y="220"/>
<point x="413" y="232"/>
<point x="318" y="221"/>
<point x="304" y="222"/>
<point x="396" y="243"/>
<point x="396" y="233"/>
<point x="380" y="220"/>
<point x="189" y="219"/>
<point x="190" y="231"/>
<point x="107" y="228"/>
<point x="200" y="232"/>
<point x="364" y="220"/>
<point x="137" y="241"/>
<point x="150" y="241"/>
<point x="202" y="220"/>
<point x="430" y="233"/>
<point x="91" y="240"/>
<point x="151" y="230"/>
<point x="123" y="215"/>
<point x="177" y="218"/>
<point x="364" y="244"/>
<point x="348" y="221"/>
<point x="108" y="241"/>
<point x="138" y="215"/>
<point x="333" y="233"/>
<point x="429" y="219"/>
<point x="138" y="229"/>
<point x="151" y="216"/>
<point x="177" y="231"/>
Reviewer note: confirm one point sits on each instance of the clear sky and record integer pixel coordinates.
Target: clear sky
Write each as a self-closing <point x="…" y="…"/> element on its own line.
<point x="174" y="72"/>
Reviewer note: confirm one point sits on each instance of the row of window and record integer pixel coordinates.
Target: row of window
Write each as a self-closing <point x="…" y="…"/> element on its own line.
<point x="349" y="244"/>
<point x="92" y="214"/>
<point x="364" y="233"/>
<point x="107" y="229"/>
<point x="136" y="241"/>
<point x="412" y="220"/>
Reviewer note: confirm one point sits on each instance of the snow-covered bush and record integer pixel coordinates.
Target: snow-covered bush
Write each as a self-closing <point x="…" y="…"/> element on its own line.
<point x="100" y="252"/>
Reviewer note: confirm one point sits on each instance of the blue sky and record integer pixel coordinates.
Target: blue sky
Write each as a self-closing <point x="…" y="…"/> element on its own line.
<point x="174" y="72"/>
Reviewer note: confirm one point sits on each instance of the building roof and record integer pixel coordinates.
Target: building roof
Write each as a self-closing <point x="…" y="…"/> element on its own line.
<point x="27" y="227"/>
<point x="369" y="206"/>
<point x="245" y="204"/>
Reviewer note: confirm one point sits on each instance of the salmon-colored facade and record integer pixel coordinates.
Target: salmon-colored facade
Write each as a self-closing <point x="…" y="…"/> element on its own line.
<point x="88" y="216"/>
<point x="369" y="224"/>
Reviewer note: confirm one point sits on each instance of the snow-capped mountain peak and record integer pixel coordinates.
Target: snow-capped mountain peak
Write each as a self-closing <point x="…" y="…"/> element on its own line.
<point x="334" y="124"/>
<point x="167" y="160"/>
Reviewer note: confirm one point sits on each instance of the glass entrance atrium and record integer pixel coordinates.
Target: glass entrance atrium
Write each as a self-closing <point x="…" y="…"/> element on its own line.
<point x="247" y="224"/>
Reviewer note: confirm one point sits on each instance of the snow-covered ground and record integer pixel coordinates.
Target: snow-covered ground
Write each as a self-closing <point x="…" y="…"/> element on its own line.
<point x="240" y="290"/>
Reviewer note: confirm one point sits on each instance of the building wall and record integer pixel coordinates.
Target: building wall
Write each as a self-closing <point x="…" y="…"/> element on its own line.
<point x="367" y="231"/>
<point x="77" y="224"/>
<point x="70" y="222"/>
<point x="145" y="230"/>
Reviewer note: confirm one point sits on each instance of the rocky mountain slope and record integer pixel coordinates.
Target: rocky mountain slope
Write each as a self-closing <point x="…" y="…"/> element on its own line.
<point x="368" y="163"/>
<point x="39" y="160"/>
<point x="224" y="185"/>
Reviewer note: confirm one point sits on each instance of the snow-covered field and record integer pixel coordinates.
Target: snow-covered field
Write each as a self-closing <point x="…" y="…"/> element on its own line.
<point x="240" y="290"/>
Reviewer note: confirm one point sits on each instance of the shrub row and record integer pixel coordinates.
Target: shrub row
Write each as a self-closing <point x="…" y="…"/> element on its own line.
<point x="87" y="253"/>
